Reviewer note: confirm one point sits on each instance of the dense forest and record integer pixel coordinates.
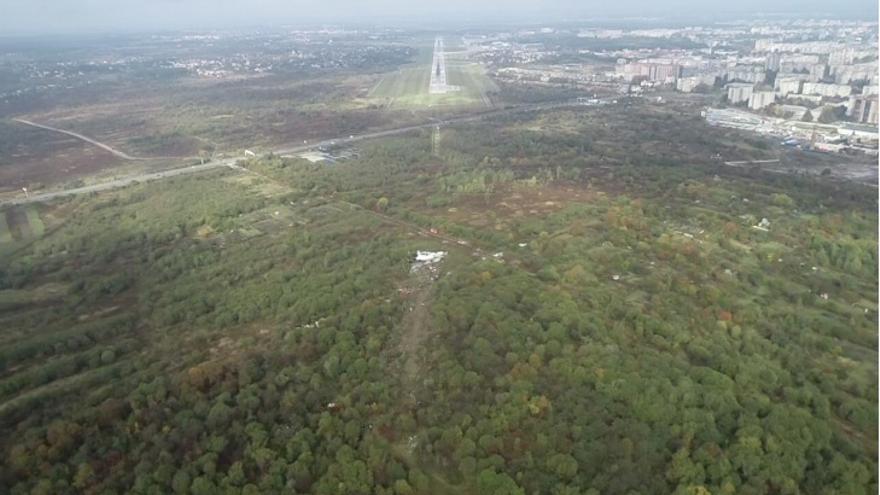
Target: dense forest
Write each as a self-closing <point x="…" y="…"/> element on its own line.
<point x="617" y="314"/>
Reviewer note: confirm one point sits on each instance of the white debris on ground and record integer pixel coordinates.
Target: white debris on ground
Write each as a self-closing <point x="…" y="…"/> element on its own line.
<point x="522" y="244"/>
<point x="427" y="261"/>
<point x="430" y="256"/>
<point x="762" y="225"/>
<point x="615" y="277"/>
<point x="688" y="235"/>
<point x="315" y="324"/>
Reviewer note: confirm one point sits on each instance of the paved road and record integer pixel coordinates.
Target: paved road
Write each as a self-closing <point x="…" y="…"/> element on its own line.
<point x="231" y="162"/>
<point x="125" y="181"/>
<point x="290" y="150"/>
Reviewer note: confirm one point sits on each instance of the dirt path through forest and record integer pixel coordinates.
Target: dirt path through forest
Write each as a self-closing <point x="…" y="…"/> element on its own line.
<point x="415" y="328"/>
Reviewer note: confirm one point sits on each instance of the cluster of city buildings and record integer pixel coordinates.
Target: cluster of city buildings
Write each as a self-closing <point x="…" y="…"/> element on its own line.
<point x="219" y="68"/>
<point x="814" y="70"/>
<point x="814" y="81"/>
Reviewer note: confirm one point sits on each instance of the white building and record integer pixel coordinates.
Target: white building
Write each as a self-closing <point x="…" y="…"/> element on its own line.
<point x="661" y="71"/>
<point x="761" y="99"/>
<point x="809" y="47"/>
<point x="688" y="84"/>
<point x="845" y="74"/>
<point x="827" y="90"/>
<point x="773" y="61"/>
<point x="843" y="56"/>
<point x="797" y="63"/>
<point x="739" y="92"/>
<point x="750" y="74"/>
<point x="787" y="85"/>
<point x="818" y="72"/>
<point x="863" y="108"/>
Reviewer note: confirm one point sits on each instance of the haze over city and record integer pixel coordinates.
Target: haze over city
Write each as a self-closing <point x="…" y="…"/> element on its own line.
<point x="64" y="16"/>
<point x="439" y="248"/>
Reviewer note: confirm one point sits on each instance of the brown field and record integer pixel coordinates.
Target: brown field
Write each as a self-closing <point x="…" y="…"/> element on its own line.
<point x="511" y="203"/>
<point x="33" y="157"/>
<point x="182" y="119"/>
<point x="188" y="116"/>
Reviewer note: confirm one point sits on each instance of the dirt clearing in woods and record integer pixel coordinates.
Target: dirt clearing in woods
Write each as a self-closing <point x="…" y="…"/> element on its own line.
<point x="415" y="327"/>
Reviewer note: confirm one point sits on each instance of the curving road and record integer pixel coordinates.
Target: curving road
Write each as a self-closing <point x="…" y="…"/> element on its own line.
<point x="231" y="162"/>
<point x="120" y="154"/>
<point x="103" y="146"/>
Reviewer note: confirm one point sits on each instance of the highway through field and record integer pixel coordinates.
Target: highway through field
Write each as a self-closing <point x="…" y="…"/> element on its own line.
<point x="431" y="123"/>
<point x="121" y="182"/>
<point x="232" y="162"/>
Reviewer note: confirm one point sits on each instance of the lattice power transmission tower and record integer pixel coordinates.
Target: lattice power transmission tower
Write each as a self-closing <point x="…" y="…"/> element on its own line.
<point x="435" y="140"/>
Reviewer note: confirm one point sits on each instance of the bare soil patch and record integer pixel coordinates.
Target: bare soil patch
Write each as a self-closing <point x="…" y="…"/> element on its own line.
<point x="34" y="158"/>
<point x="415" y="327"/>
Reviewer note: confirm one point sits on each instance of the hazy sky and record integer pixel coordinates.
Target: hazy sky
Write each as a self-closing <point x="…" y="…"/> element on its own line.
<point x="114" y="15"/>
